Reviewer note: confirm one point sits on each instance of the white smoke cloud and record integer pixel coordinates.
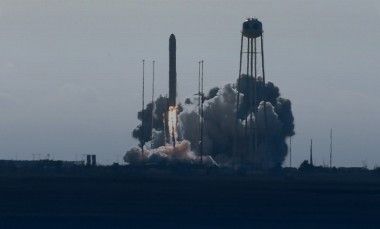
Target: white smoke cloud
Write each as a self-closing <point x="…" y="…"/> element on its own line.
<point x="219" y="124"/>
<point x="168" y="154"/>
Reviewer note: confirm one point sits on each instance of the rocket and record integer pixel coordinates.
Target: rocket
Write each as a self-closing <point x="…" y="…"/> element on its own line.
<point x="172" y="72"/>
<point x="171" y="115"/>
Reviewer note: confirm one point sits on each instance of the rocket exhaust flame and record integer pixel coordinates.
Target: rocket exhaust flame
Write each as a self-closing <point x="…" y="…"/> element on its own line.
<point x="172" y="124"/>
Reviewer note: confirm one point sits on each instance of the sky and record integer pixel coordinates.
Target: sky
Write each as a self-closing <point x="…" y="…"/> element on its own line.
<point x="71" y="71"/>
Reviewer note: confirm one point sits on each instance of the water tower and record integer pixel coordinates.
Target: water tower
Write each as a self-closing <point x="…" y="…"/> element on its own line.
<point x="252" y="28"/>
<point x="251" y="66"/>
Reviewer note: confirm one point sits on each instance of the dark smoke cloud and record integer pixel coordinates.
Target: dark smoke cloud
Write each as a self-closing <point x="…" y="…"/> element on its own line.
<point x="160" y="108"/>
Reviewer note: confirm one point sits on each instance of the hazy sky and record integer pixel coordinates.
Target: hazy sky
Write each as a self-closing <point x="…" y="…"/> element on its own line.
<point x="71" y="71"/>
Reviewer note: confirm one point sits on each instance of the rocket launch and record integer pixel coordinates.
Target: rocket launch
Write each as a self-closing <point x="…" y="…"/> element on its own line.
<point x="172" y="103"/>
<point x="172" y="71"/>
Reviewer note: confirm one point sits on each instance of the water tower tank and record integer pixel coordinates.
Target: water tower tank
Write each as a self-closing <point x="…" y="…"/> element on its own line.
<point x="252" y="28"/>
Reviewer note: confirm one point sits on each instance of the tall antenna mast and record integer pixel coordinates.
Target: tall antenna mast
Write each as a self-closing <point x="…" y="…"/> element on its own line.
<point x="311" y="151"/>
<point x="199" y="106"/>
<point x="290" y="151"/>
<point x="237" y="105"/>
<point x="142" y="114"/>
<point x="331" y="148"/>
<point x="151" y="133"/>
<point x="255" y="154"/>
<point x="202" y="113"/>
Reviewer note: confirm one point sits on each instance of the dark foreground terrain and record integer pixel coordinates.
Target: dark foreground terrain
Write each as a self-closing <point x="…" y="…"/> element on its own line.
<point x="163" y="201"/>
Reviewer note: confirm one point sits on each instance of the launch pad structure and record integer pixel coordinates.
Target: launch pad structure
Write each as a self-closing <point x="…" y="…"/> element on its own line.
<point x="252" y="46"/>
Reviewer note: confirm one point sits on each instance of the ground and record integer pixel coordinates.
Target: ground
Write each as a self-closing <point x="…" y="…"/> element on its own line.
<point x="189" y="201"/>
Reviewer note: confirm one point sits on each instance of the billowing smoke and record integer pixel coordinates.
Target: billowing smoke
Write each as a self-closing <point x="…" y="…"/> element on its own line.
<point x="166" y="155"/>
<point x="219" y="118"/>
<point x="158" y="122"/>
<point x="160" y="108"/>
<point x="226" y="138"/>
<point x="257" y="136"/>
